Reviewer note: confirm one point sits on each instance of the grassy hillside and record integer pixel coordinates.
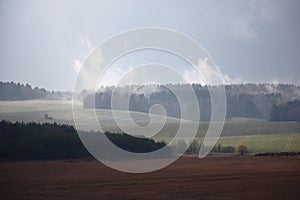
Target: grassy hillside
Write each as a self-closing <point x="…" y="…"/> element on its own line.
<point x="259" y="136"/>
<point x="61" y="112"/>
<point x="259" y="143"/>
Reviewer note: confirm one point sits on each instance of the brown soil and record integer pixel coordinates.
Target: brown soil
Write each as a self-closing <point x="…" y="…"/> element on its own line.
<point x="188" y="178"/>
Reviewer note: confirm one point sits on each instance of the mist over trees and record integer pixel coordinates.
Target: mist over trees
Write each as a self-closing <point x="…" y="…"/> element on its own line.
<point x="260" y="101"/>
<point x="10" y="91"/>
<point x="243" y="100"/>
<point x="17" y="91"/>
<point x="287" y="112"/>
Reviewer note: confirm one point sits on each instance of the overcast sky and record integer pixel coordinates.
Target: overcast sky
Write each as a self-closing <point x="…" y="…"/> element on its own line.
<point x="42" y="42"/>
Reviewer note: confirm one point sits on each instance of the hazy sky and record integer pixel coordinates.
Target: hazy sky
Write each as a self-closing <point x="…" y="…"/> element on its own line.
<point x="42" y="42"/>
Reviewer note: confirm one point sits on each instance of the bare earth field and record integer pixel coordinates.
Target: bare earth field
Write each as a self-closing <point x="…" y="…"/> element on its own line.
<point x="188" y="178"/>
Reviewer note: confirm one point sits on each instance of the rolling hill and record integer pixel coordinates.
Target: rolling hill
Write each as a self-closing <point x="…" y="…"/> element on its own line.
<point x="258" y="135"/>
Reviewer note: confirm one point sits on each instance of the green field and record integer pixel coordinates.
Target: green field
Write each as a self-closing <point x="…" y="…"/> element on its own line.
<point x="265" y="143"/>
<point x="258" y="136"/>
<point x="260" y="143"/>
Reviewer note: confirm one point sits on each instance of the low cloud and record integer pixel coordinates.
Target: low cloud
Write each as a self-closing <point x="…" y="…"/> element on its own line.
<point x="192" y="76"/>
<point x="112" y="75"/>
<point x="85" y="48"/>
<point x="205" y="74"/>
<point x="88" y="76"/>
<point x="87" y="71"/>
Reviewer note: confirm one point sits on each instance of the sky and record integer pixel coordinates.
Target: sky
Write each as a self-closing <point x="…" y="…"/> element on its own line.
<point x="44" y="42"/>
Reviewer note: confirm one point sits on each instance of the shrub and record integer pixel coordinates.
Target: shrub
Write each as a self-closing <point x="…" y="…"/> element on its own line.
<point x="242" y="149"/>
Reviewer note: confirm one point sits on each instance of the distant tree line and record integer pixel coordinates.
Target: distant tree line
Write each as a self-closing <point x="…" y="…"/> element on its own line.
<point x="10" y="91"/>
<point x="286" y="112"/>
<point x="244" y="100"/>
<point x="17" y="91"/>
<point x="137" y="102"/>
<point x="261" y="101"/>
<point x="34" y="141"/>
